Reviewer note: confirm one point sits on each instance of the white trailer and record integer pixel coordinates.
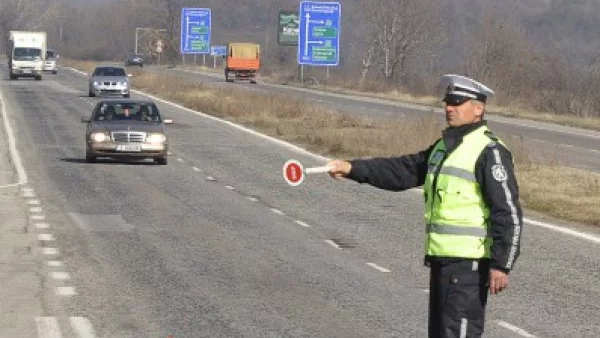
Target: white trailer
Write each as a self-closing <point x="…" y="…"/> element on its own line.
<point x="26" y="54"/>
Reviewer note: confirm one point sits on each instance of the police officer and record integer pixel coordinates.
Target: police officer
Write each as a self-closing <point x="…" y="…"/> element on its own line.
<point x="472" y="210"/>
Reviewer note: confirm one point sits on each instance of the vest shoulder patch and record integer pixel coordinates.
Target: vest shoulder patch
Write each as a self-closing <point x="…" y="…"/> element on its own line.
<point x="499" y="173"/>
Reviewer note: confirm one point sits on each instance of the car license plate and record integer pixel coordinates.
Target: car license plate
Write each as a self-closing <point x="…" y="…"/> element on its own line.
<point x="129" y="147"/>
<point x="26" y="72"/>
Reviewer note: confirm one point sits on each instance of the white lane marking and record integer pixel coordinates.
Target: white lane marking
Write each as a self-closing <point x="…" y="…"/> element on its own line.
<point x="197" y="169"/>
<point x="82" y="327"/>
<point x="47" y="327"/>
<point x="36" y="210"/>
<point x="28" y="193"/>
<point x="302" y="224"/>
<point x="38" y="217"/>
<point x="277" y="211"/>
<point x="210" y="178"/>
<point x="60" y="275"/>
<point x="564" y="230"/>
<point x="564" y="145"/>
<point x="253" y="199"/>
<point x="42" y="225"/>
<point x="426" y="291"/>
<point x="583" y="132"/>
<point x="284" y="143"/>
<point x="377" y="267"/>
<point x="33" y="202"/>
<point x="332" y="243"/>
<point x="65" y="291"/>
<point x="14" y="153"/>
<point x="49" y="251"/>
<point x="179" y="160"/>
<point x="10" y="185"/>
<point x="45" y="237"/>
<point x="54" y="263"/>
<point x="169" y="153"/>
<point x="586" y="149"/>
<point x="515" y="329"/>
<point x="229" y="187"/>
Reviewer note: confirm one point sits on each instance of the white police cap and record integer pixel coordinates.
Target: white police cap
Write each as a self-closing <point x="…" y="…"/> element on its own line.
<point x="461" y="88"/>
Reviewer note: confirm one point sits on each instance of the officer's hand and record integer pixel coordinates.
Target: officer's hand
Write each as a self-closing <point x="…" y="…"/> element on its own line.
<point x="498" y="281"/>
<point x="339" y="168"/>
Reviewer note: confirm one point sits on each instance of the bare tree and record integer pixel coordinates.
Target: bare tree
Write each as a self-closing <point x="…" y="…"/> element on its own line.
<point x="396" y="29"/>
<point x="22" y="14"/>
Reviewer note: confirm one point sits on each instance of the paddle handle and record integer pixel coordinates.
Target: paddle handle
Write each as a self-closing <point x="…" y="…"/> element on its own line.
<point x="317" y="170"/>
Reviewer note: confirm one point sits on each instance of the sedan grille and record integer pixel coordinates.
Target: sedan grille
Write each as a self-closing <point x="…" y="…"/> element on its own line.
<point x="108" y="83"/>
<point x="129" y="136"/>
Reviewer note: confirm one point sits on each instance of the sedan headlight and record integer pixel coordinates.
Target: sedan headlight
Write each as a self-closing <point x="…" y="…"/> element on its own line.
<point x="156" y="138"/>
<point x="99" y="137"/>
<point x="96" y="83"/>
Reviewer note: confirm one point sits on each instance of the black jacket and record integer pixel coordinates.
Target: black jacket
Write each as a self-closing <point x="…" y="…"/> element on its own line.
<point x="499" y="188"/>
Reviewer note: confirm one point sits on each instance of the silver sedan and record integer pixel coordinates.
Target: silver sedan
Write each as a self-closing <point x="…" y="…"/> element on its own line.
<point x="109" y="80"/>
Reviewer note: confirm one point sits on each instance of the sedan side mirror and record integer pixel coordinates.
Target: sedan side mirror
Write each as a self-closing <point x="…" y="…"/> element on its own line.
<point x="86" y="120"/>
<point x="168" y="121"/>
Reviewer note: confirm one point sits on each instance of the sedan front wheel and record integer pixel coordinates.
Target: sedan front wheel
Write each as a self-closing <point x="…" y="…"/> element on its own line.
<point x="89" y="158"/>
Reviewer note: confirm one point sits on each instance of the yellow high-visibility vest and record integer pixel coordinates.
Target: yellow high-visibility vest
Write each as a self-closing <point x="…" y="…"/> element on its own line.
<point x="455" y="212"/>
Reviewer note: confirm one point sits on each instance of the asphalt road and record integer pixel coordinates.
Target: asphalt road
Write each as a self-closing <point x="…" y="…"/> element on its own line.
<point x="215" y="244"/>
<point x="544" y="142"/>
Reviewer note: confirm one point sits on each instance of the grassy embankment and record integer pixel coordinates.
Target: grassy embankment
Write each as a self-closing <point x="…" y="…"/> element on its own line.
<point x="559" y="191"/>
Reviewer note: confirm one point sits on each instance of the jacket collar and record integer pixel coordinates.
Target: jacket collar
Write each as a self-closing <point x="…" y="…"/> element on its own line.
<point x="453" y="135"/>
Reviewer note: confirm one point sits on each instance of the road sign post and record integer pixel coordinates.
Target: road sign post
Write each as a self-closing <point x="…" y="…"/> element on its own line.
<point x="195" y="31"/>
<point x="319" y="35"/>
<point x="217" y="51"/>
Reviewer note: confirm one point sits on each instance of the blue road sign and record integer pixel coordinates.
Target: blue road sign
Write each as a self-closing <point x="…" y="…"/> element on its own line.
<point x="218" y="50"/>
<point x="195" y="30"/>
<point x="319" y="36"/>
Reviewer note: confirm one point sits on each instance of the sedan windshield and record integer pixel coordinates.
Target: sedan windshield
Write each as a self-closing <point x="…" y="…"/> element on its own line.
<point x="108" y="71"/>
<point x="118" y="111"/>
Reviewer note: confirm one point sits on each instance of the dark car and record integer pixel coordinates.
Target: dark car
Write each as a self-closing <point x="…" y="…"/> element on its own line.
<point x="134" y="60"/>
<point x="126" y="129"/>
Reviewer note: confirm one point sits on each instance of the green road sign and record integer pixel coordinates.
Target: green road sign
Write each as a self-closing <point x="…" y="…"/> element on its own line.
<point x="324" y="32"/>
<point x="288" y="28"/>
<point x="199" y="30"/>
<point x="199" y="44"/>
<point x="324" y="53"/>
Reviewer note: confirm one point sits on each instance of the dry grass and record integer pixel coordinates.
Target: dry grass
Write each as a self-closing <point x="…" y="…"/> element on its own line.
<point x="516" y="112"/>
<point x="562" y="192"/>
<point x="377" y="89"/>
<point x="567" y="193"/>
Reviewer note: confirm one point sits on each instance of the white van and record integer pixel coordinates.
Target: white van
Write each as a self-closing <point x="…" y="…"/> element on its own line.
<point x="51" y="61"/>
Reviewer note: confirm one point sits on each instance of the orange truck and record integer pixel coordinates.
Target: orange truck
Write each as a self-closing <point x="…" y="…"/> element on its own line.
<point x="242" y="61"/>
